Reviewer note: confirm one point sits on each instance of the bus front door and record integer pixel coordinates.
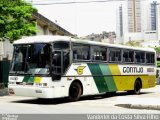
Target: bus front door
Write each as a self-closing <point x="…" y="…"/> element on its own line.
<point x="57" y="65"/>
<point x="60" y="62"/>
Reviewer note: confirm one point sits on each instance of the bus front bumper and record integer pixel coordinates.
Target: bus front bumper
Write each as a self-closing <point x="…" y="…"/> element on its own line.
<point x="31" y="91"/>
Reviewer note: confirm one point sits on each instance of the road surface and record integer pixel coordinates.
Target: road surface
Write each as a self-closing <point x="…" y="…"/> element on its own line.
<point x="86" y="105"/>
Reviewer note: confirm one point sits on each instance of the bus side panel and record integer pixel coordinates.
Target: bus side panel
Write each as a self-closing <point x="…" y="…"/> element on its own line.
<point x="102" y="77"/>
<point x="124" y="82"/>
<point x="148" y="81"/>
<point x="81" y="72"/>
<point x="99" y="78"/>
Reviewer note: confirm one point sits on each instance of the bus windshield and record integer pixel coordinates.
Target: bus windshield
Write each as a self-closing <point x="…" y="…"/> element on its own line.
<point x="31" y="59"/>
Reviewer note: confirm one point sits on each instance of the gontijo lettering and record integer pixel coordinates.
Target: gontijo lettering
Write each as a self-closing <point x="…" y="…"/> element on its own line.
<point x="132" y="69"/>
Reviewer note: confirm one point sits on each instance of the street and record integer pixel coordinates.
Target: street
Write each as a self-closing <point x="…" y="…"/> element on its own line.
<point x="90" y="104"/>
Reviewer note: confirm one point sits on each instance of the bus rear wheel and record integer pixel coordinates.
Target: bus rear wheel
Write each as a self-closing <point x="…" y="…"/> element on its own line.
<point x="137" y="88"/>
<point x="75" y="91"/>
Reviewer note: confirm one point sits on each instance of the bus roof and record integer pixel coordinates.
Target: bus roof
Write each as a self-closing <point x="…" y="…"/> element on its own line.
<point x="51" y="38"/>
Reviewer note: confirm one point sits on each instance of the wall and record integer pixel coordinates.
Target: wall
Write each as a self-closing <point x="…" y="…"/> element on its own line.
<point x="158" y="22"/>
<point x="150" y="35"/>
<point x="6" y="49"/>
<point x="138" y="36"/>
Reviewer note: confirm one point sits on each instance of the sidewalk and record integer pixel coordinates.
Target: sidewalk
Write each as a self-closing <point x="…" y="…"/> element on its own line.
<point x="140" y="106"/>
<point x="142" y="101"/>
<point x="3" y="92"/>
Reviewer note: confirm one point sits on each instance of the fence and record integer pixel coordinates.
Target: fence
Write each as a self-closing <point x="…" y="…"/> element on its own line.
<point x="4" y="70"/>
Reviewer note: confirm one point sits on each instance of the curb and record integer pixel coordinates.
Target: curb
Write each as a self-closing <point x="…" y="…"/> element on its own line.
<point x="139" y="106"/>
<point x="4" y="92"/>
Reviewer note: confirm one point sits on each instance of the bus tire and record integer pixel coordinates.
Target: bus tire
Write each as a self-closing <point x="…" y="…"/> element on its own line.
<point x="75" y="91"/>
<point x="137" y="88"/>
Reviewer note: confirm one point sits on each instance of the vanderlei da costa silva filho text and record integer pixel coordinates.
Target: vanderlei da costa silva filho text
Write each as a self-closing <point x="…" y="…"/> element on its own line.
<point x="123" y="116"/>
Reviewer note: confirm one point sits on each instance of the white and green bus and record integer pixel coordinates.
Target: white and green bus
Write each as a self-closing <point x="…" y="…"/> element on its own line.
<point x="60" y="66"/>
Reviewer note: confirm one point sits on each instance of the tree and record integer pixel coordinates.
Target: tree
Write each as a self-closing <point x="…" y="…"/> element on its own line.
<point x="104" y="33"/>
<point x="133" y="43"/>
<point x="16" y="19"/>
<point x="157" y="49"/>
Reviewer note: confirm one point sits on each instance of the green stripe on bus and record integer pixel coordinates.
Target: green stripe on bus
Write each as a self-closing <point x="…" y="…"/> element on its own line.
<point x="98" y="77"/>
<point x="108" y="78"/>
<point x="28" y="79"/>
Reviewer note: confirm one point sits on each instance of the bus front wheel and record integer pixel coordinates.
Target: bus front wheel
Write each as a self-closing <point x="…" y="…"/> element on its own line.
<point x="75" y="91"/>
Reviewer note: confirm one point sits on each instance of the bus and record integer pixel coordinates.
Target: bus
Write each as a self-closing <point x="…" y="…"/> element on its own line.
<point x="59" y="66"/>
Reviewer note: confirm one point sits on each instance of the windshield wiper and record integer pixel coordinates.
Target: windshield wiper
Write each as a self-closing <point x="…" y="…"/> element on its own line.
<point x="12" y="72"/>
<point x="28" y="73"/>
<point x="16" y="72"/>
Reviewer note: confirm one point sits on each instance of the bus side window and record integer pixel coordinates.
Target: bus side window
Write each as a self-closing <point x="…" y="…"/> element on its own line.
<point x="65" y="60"/>
<point x="85" y="56"/>
<point x="81" y="52"/>
<point x="99" y="53"/>
<point x="115" y="55"/>
<point x="75" y="55"/>
<point x="150" y="58"/>
<point x="128" y="55"/>
<point x="139" y="56"/>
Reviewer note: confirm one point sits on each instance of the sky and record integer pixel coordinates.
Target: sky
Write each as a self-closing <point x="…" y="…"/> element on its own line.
<point x="81" y="19"/>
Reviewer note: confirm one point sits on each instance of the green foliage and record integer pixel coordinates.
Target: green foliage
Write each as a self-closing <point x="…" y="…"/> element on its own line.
<point x="16" y="19"/>
<point x="107" y="34"/>
<point x="157" y="49"/>
<point x="158" y="63"/>
<point x="133" y="43"/>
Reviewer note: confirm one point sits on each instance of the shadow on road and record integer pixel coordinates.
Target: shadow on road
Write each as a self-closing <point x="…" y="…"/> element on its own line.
<point x="66" y="100"/>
